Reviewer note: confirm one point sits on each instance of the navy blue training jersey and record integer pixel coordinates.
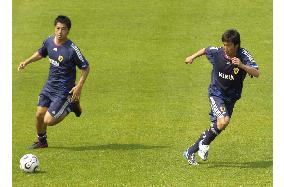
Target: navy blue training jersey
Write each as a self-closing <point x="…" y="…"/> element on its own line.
<point x="227" y="79"/>
<point x="63" y="61"/>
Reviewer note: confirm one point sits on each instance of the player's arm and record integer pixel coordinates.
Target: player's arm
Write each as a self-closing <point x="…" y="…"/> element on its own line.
<point x="199" y="53"/>
<point x="76" y="90"/>
<point x="250" y="70"/>
<point x="35" y="57"/>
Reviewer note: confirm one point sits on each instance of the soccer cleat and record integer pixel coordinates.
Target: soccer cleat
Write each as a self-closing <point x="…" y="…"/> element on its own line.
<point x="203" y="151"/>
<point x="38" y="145"/>
<point x="76" y="108"/>
<point x="190" y="158"/>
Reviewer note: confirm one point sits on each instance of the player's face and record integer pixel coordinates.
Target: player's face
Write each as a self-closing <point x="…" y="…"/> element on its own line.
<point x="61" y="31"/>
<point x="230" y="49"/>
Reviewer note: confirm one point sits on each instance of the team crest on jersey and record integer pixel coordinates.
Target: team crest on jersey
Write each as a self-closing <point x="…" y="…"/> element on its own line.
<point x="222" y="109"/>
<point x="60" y="58"/>
<point x="236" y="70"/>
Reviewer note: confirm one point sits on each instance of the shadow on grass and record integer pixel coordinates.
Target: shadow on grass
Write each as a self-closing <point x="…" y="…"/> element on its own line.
<point x="111" y="147"/>
<point x="35" y="173"/>
<point x="253" y="164"/>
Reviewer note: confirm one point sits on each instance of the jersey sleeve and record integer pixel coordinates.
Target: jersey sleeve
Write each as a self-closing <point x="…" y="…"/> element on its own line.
<point x="209" y="52"/>
<point x="43" y="50"/>
<point x="78" y="58"/>
<point x="247" y="59"/>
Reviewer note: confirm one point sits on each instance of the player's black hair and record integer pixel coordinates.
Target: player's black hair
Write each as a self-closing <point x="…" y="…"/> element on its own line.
<point x="63" y="19"/>
<point x="232" y="35"/>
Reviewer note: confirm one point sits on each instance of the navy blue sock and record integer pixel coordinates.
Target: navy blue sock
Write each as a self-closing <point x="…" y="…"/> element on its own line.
<point x="42" y="137"/>
<point x="211" y="134"/>
<point x="195" y="147"/>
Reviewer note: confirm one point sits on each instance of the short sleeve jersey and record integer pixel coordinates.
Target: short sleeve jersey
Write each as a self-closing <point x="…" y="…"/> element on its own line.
<point x="226" y="78"/>
<point x="63" y="61"/>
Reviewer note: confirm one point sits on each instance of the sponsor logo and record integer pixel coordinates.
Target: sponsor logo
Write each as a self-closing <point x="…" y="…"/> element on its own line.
<point x="54" y="49"/>
<point x="225" y="76"/>
<point x="54" y="62"/>
<point x="60" y="58"/>
<point x="222" y="109"/>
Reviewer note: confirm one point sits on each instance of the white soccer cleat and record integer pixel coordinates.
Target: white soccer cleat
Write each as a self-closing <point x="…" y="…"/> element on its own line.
<point x="203" y="151"/>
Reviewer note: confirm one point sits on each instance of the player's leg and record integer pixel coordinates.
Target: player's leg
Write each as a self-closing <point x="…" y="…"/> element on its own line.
<point x="41" y="128"/>
<point x="218" y="112"/>
<point x="50" y="120"/>
<point x="43" y="103"/>
<point x="219" y="119"/>
<point x="221" y="112"/>
<point x="202" y="143"/>
<point x="217" y="126"/>
<point x="58" y="110"/>
<point x="40" y="113"/>
<point x="189" y="154"/>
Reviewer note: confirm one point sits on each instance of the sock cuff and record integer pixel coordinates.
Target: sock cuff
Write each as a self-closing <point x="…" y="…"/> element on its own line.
<point x="41" y="135"/>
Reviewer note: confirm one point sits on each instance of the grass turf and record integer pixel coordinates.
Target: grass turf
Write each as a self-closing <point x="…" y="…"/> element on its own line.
<point x="142" y="105"/>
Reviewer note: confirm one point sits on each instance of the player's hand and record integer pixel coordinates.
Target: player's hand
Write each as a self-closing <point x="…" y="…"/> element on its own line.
<point x="189" y="60"/>
<point x="21" y="66"/>
<point x="236" y="61"/>
<point x="76" y="92"/>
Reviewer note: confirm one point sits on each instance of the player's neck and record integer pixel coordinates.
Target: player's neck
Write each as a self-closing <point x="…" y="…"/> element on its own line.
<point x="58" y="41"/>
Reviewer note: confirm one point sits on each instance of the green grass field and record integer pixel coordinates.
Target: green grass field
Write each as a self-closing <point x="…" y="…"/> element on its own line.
<point x="142" y="105"/>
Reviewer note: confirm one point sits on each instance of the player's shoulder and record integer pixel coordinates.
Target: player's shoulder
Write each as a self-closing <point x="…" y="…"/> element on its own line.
<point x="246" y="56"/>
<point x="75" y="50"/>
<point x="49" y="38"/>
<point x="69" y="45"/>
<point x="213" y="49"/>
<point x="72" y="45"/>
<point x="244" y="53"/>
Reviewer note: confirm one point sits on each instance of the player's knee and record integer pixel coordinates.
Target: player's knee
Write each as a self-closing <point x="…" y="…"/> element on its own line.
<point x="223" y="122"/>
<point x="40" y="115"/>
<point x="48" y="120"/>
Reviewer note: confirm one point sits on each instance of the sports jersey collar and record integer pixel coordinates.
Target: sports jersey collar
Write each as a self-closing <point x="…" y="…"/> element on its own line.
<point x="53" y="38"/>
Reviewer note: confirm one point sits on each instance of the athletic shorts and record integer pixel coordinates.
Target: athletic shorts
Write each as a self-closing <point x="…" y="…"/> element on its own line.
<point x="56" y="105"/>
<point x="220" y="108"/>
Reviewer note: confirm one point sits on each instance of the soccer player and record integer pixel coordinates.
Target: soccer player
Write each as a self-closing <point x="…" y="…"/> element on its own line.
<point x="60" y="95"/>
<point x="231" y="64"/>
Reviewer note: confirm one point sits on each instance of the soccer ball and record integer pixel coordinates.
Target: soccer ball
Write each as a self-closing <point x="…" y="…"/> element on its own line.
<point x="29" y="163"/>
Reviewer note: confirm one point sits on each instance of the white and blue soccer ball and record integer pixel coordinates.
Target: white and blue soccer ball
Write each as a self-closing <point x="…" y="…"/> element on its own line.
<point x="29" y="163"/>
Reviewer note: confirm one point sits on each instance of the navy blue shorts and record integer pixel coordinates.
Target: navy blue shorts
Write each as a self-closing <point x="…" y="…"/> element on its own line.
<point x="220" y="107"/>
<point x="56" y="105"/>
